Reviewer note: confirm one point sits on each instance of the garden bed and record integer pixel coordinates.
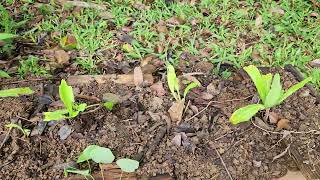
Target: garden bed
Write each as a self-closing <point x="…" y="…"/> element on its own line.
<point x="139" y="127"/>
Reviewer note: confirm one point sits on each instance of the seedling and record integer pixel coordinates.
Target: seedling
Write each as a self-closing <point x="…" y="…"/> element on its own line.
<point x="71" y="110"/>
<point x="25" y="131"/>
<point x="5" y="36"/>
<point x="270" y="92"/>
<point x="15" y="92"/>
<point x="4" y="74"/>
<point x="102" y="155"/>
<point x="174" y="85"/>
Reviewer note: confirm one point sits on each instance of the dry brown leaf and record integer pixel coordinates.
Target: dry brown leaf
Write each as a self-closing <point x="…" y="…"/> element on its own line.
<point x="61" y="57"/>
<point x="140" y="6"/>
<point x="315" y="63"/>
<point x="283" y="124"/>
<point x="297" y="175"/>
<point x="258" y="20"/>
<point x="177" y="140"/>
<point x="277" y="10"/>
<point x="146" y="60"/>
<point x="174" y="21"/>
<point x="158" y="89"/>
<point x="273" y="117"/>
<point x="314" y="14"/>
<point x="137" y="76"/>
<point x="176" y="111"/>
<point x="206" y="96"/>
<point x="161" y="27"/>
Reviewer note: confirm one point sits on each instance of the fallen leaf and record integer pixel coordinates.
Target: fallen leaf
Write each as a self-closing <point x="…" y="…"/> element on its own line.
<point x="314" y="14"/>
<point x="315" y="63"/>
<point x="174" y="21"/>
<point x="206" y="96"/>
<point x="262" y="124"/>
<point x="177" y="140"/>
<point x="127" y="48"/>
<point x="203" y="66"/>
<point x="106" y="15"/>
<point x="158" y="89"/>
<point x="277" y="10"/>
<point x="140" y="6"/>
<point x="258" y="20"/>
<point x="297" y="175"/>
<point x="61" y="57"/>
<point x="68" y="42"/>
<point x="176" y="111"/>
<point x="213" y="88"/>
<point x="137" y="76"/>
<point x="125" y="38"/>
<point x="273" y="117"/>
<point x="161" y="27"/>
<point x="283" y="124"/>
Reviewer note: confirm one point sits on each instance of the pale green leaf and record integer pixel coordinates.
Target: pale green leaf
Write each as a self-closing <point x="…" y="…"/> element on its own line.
<point x="245" y="113"/>
<point x="189" y="87"/>
<point x="128" y="165"/>
<point x="267" y="78"/>
<point x="4" y="36"/>
<point x="25" y="131"/>
<point x="85" y="172"/>
<point x="258" y="81"/>
<point x="55" y="115"/>
<point x="173" y="82"/>
<point x="4" y="74"/>
<point x="77" y="109"/>
<point x="108" y="105"/>
<point x="97" y="154"/>
<point x="66" y="95"/>
<point x="294" y="88"/>
<point x="275" y="92"/>
<point x="15" y="92"/>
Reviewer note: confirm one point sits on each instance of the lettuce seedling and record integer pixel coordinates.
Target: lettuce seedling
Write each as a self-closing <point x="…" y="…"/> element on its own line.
<point x="97" y="154"/>
<point x="15" y="92"/>
<point x="128" y="165"/>
<point x="270" y="92"/>
<point x="25" y="131"/>
<point x="174" y="85"/>
<point x="71" y="108"/>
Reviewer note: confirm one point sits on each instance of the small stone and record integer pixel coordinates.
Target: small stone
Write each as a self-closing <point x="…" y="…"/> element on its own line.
<point x="111" y="97"/>
<point x="194" y="109"/>
<point x="64" y="132"/>
<point x="256" y="163"/>
<point x="204" y="119"/>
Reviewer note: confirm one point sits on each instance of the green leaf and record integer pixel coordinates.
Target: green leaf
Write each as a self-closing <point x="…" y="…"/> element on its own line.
<point x="294" y="88"/>
<point x="78" y="108"/>
<point x="108" y="105"/>
<point x="25" y="131"/>
<point x="66" y="95"/>
<point x="128" y="165"/>
<point x="76" y="171"/>
<point x="97" y="154"/>
<point x="173" y="82"/>
<point x="55" y="115"/>
<point x="245" y="113"/>
<point x="4" y="36"/>
<point x="15" y="92"/>
<point x="267" y="78"/>
<point x="275" y="92"/>
<point x="189" y="87"/>
<point x="4" y="74"/>
<point x="258" y="81"/>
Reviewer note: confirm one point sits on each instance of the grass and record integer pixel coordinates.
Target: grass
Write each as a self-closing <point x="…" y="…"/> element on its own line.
<point x="287" y="37"/>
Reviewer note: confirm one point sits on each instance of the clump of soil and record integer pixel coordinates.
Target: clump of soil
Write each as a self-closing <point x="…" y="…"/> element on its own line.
<point x="139" y="127"/>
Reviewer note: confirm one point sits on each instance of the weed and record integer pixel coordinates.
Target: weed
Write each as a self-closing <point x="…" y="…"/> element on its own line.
<point x="25" y="131"/>
<point x="31" y="66"/>
<point x="270" y="92"/>
<point x="15" y="92"/>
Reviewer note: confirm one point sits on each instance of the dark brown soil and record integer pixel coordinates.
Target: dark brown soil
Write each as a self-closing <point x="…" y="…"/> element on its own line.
<point x="133" y="127"/>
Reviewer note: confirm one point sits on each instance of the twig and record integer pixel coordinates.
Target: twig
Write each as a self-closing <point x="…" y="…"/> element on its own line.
<point x="281" y="154"/>
<point x="91" y="111"/>
<point x="224" y="165"/>
<point x="218" y="102"/>
<point x="91" y="98"/>
<point x="28" y="80"/>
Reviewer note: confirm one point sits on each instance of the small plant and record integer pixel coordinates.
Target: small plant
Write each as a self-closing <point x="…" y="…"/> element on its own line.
<point x="101" y="155"/>
<point x="174" y="85"/>
<point x="15" y="92"/>
<point x="71" y="110"/>
<point x="4" y="74"/>
<point x="270" y="92"/>
<point x="25" y="131"/>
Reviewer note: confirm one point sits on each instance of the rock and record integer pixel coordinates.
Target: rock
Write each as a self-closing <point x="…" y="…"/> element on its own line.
<point x="176" y="111"/>
<point x="64" y="132"/>
<point x="38" y="130"/>
<point x="256" y="163"/>
<point x="177" y="140"/>
<point x="204" y="67"/>
<point x="315" y="63"/>
<point x="213" y="88"/>
<point x="65" y="165"/>
<point x="111" y="97"/>
<point x="156" y="103"/>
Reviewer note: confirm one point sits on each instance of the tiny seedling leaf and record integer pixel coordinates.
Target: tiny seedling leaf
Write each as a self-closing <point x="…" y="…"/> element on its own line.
<point x="267" y="78"/>
<point x="76" y="171"/>
<point x="245" y="113"/>
<point x="15" y="92"/>
<point x="4" y="36"/>
<point x="294" y="88"/>
<point x="4" y="74"/>
<point x="173" y="81"/>
<point x="108" y="105"/>
<point x="97" y="154"/>
<point x="25" y="131"/>
<point x="275" y="92"/>
<point x="78" y="108"/>
<point x="189" y="87"/>
<point x="128" y="165"/>
<point x="66" y="95"/>
<point x="259" y="81"/>
<point x="55" y="115"/>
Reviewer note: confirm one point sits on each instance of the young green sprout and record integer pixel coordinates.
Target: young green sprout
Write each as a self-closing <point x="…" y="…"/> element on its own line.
<point x="25" y="131"/>
<point x="270" y="92"/>
<point x="71" y="109"/>
<point x="15" y="92"/>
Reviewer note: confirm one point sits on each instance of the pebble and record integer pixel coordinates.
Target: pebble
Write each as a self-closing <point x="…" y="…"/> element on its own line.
<point x="64" y="132"/>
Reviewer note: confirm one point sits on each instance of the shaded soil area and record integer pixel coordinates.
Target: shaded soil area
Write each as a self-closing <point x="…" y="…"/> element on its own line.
<point x="139" y="127"/>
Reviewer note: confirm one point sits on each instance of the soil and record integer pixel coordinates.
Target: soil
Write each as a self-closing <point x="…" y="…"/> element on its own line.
<point x="139" y="127"/>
